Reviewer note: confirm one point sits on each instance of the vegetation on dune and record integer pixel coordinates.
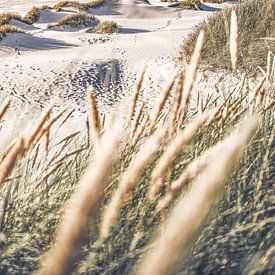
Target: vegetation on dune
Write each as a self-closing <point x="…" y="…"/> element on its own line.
<point x="136" y="195"/>
<point x="214" y="1"/>
<point x="5" y="18"/>
<point x="256" y="36"/>
<point x="78" y="5"/>
<point x="186" y="4"/>
<point x="77" y="20"/>
<point x="33" y="14"/>
<point x="106" y="27"/>
<point x="191" y="4"/>
<point x="4" y="29"/>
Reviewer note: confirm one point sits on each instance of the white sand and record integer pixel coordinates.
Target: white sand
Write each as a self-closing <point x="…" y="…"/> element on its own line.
<point x="57" y="65"/>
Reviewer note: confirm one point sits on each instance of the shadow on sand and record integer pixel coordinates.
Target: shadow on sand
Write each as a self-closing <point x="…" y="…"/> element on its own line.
<point x="25" y="42"/>
<point x="131" y="31"/>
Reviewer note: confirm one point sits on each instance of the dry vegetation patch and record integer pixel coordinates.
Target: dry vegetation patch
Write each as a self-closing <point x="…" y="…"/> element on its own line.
<point x="187" y="4"/>
<point x="4" y="29"/>
<point x="214" y="1"/>
<point x="77" y="5"/>
<point x="77" y="20"/>
<point x="5" y="18"/>
<point x="106" y="27"/>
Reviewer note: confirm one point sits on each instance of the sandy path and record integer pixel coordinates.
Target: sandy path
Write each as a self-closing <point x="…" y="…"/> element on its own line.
<point x="58" y="66"/>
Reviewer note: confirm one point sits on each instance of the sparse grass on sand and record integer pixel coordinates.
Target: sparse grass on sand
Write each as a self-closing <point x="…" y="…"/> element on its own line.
<point x="191" y="183"/>
<point x="5" y="18"/>
<point x="186" y="4"/>
<point x="256" y="20"/>
<point x="106" y="27"/>
<point x="76" y="20"/>
<point x="4" y="29"/>
<point x="78" y="5"/>
<point x="33" y="14"/>
<point x="214" y="1"/>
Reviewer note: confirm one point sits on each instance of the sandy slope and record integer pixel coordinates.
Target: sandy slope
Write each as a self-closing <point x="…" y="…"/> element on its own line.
<point x="57" y="65"/>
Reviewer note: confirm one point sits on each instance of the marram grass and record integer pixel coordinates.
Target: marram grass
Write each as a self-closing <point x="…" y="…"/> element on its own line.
<point x="76" y="208"/>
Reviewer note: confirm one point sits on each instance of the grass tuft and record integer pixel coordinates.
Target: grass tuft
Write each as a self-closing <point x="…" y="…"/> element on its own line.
<point x="4" y="29"/>
<point x="79" y="6"/>
<point x="5" y="18"/>
<point x="106" y="27"/>
<point x="186" y="4"/>
<point x="76" y="21"/>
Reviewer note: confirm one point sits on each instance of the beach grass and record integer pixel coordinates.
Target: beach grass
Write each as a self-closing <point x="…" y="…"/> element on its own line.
<point x="106" y="27"/>
<point x="4" y="29"/>
<point x="78" y="5"/>
<point x="77" y="20"/>
<point x="109" y="229"/>
<point x="256" y="26"/>
<point x="185" y="188"/>
<point x="5" y="18"/>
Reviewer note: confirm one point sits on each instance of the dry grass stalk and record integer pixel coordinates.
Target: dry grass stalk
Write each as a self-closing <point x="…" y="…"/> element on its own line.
<point x="30" y="140"/>
<point x="140" y="130"/>
<point x="35" y="155"/>
<point x="191" y="75"/>
<point x="129" y="180"/>
<point x="69" y="154"/>
<point x="9" y="161"/>
<point x="191" y="172"/>
<point x="7" y="150"/>
<point x="67" y="138"/>
<point x="50" y="172"/>
<point x="102" y="122"/>
<point x="273" y="70"/>
<point x="162" y="99"/>
<point x="259" y="186"/>
<point x="94" y="115"/>
<point x="47" y="141"/>
<point x="5" y="106"/>
<point x="234" y="40"/>
<point x="268" y="65"/>
<point x="136" y="120"/>
<point x="46" y="127"/>
<point x="65" y="142"/>
<point x="82" y="207"/>
<point x="262" y="71"/>
<point x="260" y="97"/>
<point x="171" y="153"/>
<point x="66" y="119"/>
<point x="191" y="211"/>
<point x="88" y="138"/>
<point x="178" y="98"/>
<point x="135" y="96"/>
<point x="12" y="178"/>
<point x="255" y="94"/>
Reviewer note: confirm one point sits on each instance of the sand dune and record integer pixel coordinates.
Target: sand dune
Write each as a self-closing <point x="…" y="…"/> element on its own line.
<point x="50" y="17"/>
<point x="22" y="25"/>
<point x="57" y="65"/>
<point x="25" y="42"/>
